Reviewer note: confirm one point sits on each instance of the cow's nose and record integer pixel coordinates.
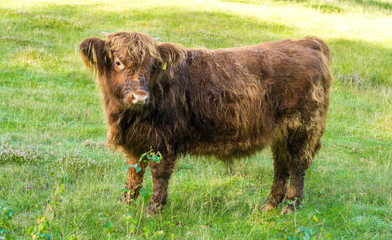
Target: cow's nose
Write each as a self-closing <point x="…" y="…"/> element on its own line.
<point x="137" y="97"/>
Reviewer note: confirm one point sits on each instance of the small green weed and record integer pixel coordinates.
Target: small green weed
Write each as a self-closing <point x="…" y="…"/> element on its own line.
<point x="6" y="215"/>
<point x="40" y="231"/>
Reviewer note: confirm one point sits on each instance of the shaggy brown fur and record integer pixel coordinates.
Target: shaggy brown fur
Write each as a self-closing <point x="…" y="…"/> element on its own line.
<point x="227" y="103"/>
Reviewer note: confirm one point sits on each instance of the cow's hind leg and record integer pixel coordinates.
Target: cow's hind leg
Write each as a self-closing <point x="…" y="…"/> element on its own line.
<point x="302" y="146"/>
<point x="160" y="176"/>
<point x="281" y="176"/>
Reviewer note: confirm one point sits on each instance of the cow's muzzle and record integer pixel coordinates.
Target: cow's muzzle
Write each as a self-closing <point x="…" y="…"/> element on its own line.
<point x="137" y="97"/>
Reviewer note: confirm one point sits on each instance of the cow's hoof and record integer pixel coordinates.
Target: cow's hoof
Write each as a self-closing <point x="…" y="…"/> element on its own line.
<point x="267" y="206"/>
<point x="150" y="211"/>
<point x="153" y="210"/>
<point x="288" y="209"/>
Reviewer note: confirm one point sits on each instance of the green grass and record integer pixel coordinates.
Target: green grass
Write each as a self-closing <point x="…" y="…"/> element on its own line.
<point x="53" y="159"/>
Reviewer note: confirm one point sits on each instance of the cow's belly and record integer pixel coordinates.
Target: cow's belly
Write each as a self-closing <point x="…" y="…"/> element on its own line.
<point x="228" y="148"/>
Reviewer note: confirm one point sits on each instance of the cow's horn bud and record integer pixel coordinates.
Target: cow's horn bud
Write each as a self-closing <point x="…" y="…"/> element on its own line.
<point x="105" y="34"/>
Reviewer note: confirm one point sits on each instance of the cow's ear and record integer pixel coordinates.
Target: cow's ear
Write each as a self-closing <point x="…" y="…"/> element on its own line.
<point x="92" y="51"/>
<point x="171" y="55"/>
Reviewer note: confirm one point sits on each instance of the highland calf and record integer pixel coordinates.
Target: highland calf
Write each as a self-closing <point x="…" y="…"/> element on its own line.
<point x="227" y="103"/>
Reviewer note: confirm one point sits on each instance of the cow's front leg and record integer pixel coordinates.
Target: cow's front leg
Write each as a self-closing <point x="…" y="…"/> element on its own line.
<point x="161" y="173"/>
<point x="135" y="179"/>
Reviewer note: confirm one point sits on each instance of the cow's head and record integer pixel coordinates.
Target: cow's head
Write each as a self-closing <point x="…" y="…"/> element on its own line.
<point x="125" y="64"/>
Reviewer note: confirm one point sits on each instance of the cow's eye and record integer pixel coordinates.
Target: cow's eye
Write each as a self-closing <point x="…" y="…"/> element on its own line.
<point x="118" y="65"/>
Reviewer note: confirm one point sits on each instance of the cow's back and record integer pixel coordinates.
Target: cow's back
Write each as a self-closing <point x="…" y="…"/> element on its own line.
<point x="239" y="97"/>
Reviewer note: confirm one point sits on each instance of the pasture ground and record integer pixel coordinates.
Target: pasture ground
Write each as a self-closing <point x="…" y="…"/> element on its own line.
<point x="58" y="179"/>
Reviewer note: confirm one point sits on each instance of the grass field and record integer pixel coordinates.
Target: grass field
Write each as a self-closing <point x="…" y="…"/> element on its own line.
<point x="58" y="179"/>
